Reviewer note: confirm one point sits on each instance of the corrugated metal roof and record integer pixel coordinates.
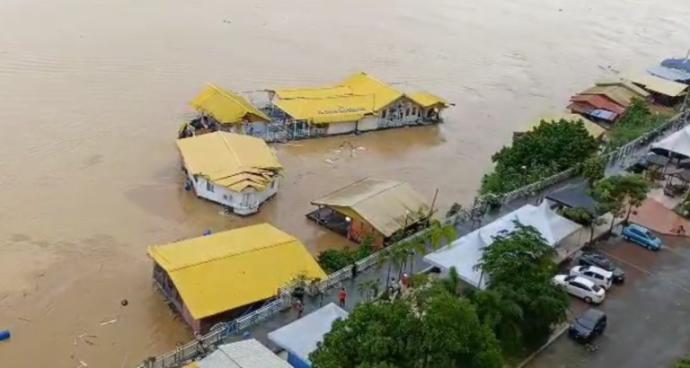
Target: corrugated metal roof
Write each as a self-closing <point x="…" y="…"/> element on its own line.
<point x="230" y="269"/>
<point x="660" y="85"/>
<point x="598" y="102"/>
<point x="385" y="204"/>
<point x="425" y="99"/>
<point x="226" y="107"/>
<point x="351" y="100"/>
<point x="235" y="161"/>
<point x="242" y="354"/>
<point x="676" y="75"/>
<point x="618" y="95"/>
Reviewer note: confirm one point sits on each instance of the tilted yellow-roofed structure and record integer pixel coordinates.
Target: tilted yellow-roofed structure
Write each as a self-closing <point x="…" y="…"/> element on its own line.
<point x="358" y="103"/>
<point x="236" y="170"/>
<point x="218" y="276"/>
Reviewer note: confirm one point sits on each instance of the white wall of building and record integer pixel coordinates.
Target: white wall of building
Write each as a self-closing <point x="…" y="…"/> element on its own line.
<point x="242" y="203"/>
<point x="341" y="128"/>
<point x="370" y="122"/>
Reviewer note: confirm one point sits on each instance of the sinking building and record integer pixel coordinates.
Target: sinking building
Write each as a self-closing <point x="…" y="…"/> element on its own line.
<point x="370" y="208"/>
<point x="664" y="92"/>
<point x="220" y="109"/>
<point x="219" y="277"/>
<point x="237" y="171"/>
<point x="359" y="103"/>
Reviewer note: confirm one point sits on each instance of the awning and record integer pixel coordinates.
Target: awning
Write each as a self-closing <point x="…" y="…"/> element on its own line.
<point x="660" y="85"/>
<point x="231" y="269"/>
<point x="235" y="161"/>
<point x="302" y="336"/>
<point x="574" y="196"/>
<point x="227" y="107"/>
<point x="386" y="205"/>
<point x="677" y="144"/>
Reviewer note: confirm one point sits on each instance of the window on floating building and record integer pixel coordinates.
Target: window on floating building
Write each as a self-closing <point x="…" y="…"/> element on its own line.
<point x="210" y="187"/>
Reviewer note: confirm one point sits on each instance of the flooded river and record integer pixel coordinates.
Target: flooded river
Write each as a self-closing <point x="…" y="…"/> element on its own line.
<point x="93" y="91"/>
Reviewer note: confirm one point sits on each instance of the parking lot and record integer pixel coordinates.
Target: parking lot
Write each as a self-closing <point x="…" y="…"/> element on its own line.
<point x="648" y="316"/>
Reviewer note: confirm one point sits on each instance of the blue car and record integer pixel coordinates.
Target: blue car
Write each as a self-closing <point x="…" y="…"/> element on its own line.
<point x="642" y="236"/>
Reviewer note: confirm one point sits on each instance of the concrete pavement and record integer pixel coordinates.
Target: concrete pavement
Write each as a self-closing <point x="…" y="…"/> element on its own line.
<point x="648" y="316"/>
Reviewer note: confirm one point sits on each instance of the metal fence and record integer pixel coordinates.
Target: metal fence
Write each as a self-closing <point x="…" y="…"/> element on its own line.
<point x="203" y="344"/>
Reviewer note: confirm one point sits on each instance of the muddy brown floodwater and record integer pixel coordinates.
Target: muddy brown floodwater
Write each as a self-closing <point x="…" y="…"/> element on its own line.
<point x="92" y="93"/>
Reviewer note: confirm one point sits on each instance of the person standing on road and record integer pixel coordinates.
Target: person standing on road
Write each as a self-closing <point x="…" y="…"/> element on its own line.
<point x="342" y="297"/>
<point x="299" y="307"/>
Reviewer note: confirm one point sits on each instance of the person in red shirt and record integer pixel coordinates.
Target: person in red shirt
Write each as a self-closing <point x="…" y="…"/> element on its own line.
<point x="342" y="296"/>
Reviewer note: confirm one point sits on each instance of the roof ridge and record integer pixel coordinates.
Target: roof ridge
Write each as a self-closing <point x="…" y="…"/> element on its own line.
<point x="397" y="184"/>
<point x="223" y="92"/>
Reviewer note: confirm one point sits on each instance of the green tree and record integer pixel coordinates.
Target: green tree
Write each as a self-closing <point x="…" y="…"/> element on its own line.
<point x="593" y="169"/>
<point x="544" y="151"/>
<point x="434" y="330"/>
<point x="519" y="267"/>
<point x="620" y="194"/>
<point x="634" y="189"/>
<point x="584" y="218"/>
<point x="637" y="120"/>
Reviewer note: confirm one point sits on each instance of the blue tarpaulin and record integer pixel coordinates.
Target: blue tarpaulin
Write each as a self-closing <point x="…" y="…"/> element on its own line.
<point x="682" y="64"/>
<point x="603" y="114"/>
<point x="676" y="75"/>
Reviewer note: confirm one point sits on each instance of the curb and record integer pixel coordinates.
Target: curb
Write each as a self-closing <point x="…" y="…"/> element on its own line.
<point x="555" y="336"/>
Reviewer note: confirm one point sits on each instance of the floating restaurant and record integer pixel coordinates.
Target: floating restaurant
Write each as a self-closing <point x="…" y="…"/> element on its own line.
<point x="219" y="277"/>
<point x="358" y="104"/>
<point x="372" y="208"/>
<point x="235" y="170"/>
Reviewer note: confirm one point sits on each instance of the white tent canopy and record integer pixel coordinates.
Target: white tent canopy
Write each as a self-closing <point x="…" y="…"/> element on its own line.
<point x="300" y="337"/>
<point x="242" y="354"/>
<point x="677" y="143"/>
<point x="465" y="253"/>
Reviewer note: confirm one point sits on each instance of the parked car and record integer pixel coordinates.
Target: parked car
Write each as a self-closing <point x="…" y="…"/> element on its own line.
<point x="589" y="325"/>
<point x="598" y="276"/>
<point x="599" y="260"/>
<point x="642" y="236"/>
<point x="580" y="287"/>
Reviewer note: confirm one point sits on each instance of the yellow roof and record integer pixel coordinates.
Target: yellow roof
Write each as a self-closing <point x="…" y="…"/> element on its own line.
<point x="356" y="96"/>
<point x="232" y="160"/>
<point x="385" y="204"/>
<point x="425" y="99"/>
<point x="226" y="107"/>
<point x="230" y="269"/>
<point x="364" y="84"/>
<point x="660" y="85"/>
<point x="317" y="92"/>
<point x="328" y="109"/>
<point x="595" y="130"/>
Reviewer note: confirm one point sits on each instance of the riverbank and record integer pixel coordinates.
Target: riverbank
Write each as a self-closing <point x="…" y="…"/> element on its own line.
<point x="89" y="170"/>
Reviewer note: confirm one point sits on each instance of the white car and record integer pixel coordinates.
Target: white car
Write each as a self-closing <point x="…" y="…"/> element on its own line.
<point x="598" y="276"/>
<point x="581" y="287"/>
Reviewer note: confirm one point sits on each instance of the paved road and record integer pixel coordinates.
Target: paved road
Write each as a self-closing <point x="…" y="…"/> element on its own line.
<point x="649" y="316"/>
